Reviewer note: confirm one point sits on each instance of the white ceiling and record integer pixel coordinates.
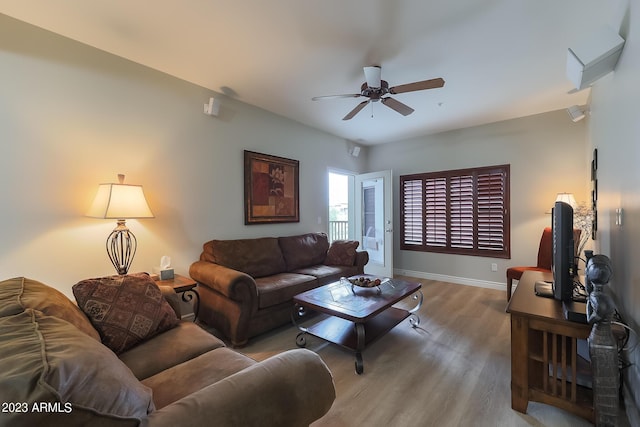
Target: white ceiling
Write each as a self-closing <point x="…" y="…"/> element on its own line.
<point x="501" y="59"/>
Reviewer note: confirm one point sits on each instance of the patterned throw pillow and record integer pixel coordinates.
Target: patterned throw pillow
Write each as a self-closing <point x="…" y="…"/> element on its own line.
<point x="125" y="310"/>
<point x="342" y="252"/>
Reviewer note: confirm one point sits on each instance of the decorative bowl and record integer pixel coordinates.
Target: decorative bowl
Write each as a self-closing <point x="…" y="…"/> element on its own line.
<point x="365" y="282"/>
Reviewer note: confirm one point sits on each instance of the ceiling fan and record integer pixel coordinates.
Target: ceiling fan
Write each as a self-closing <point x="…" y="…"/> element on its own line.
<point x="375" y="89"/>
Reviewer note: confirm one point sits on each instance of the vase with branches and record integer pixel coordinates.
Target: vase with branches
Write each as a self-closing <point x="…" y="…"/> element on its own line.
<point x="583" y="220"/>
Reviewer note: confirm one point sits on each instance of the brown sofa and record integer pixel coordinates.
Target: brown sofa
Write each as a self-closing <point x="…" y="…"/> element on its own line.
<point x="56" y="372"/>
<point x="246" y="286"/>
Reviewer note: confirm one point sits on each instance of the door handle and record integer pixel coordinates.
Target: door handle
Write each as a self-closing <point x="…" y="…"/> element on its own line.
<point x="389" y="230"/>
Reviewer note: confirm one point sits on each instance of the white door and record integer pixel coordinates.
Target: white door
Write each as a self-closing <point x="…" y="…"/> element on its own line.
<point x="374" y="221"/>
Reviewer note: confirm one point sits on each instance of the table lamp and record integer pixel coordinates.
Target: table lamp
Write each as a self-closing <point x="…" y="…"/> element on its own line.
<point x="567" y="198"/>
<point x="120" y="201"/>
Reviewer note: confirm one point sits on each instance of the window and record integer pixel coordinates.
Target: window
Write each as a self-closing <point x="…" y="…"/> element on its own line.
<point x="459" y="211"/>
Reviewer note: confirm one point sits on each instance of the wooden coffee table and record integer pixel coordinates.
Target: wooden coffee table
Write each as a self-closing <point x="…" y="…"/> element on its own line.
<point x="355" y="316"/>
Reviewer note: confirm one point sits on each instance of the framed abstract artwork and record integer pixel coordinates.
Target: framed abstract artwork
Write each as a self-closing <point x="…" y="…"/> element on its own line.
<point x="271" y="189"/>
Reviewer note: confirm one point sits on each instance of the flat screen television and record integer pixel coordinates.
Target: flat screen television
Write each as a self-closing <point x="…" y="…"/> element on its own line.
<point x="563" y="257"/>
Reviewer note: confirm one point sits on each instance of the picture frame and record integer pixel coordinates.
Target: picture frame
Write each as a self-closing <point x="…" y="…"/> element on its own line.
<point x="594" y="194"/>
<point x="271" y="189"/>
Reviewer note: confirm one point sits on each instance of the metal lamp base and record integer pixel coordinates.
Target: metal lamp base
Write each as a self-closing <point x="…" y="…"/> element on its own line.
<point x="121" y="247"/>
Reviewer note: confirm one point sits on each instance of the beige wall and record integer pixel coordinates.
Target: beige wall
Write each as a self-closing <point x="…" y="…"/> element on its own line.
<point x="546" y="154"/>
<point x="615" y="132"/>
<point x="72" y="116"/>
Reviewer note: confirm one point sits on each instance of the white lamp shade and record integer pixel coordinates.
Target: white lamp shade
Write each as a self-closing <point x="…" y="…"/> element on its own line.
<point x="567" y="198"/>
<point x="120" y="201"/>
<point x="372" y="75"/>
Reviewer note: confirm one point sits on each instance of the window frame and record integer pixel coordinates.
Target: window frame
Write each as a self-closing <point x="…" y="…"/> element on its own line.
<point x="431" y="202"/>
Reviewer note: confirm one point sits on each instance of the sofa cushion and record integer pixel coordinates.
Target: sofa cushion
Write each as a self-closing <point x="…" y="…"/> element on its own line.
<point x="328" y="273"/>
<point x="256" y="257"/>
<point x="20" y="293"/>
<point x="186" y="378"/>
<point x="342" y="252"/>
<point x="304" y="250"/>
<point x="177" y="345"/>
<point x="279" y="288"/>
<point x="126" y="310"/>
<point x="48" y="361"/>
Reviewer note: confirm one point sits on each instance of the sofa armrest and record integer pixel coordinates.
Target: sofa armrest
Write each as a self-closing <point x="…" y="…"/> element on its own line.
<point x="233" y="284"/>
<point x="362" y="258"/>
<point x="293" y="388"/>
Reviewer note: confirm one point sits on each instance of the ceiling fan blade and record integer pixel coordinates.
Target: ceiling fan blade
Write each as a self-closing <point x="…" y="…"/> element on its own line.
<point x="401" y="108"/>
<point x="372" y="76"/>
<point x="411" y="87"/>
<point x="356" y="110"/>
<point x="349" y="95"/>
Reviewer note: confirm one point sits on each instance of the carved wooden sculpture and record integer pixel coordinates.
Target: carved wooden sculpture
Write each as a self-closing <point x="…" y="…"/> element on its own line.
<point x="602" y="345"/>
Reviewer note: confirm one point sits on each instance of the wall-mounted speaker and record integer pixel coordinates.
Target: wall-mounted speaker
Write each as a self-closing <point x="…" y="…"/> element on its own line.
<point x="577" y="112"/>
<point x="593" y="57"/>
<point x="213" y="107"/>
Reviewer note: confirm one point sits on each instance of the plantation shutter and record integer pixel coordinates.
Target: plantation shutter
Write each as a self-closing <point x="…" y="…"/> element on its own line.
<point x="461" y="208"/>
<point x="435" y="212"/>
<point x="491" y="210"/>
<point x="412" y="212"/>
<point x="460" y="211"/>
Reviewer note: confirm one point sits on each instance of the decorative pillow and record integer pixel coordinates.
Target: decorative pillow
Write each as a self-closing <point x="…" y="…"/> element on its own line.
<point x="342" y="252"/>
<point x="125" y="310"/>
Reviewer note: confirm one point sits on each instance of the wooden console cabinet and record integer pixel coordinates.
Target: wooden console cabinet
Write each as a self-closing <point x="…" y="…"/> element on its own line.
<point x="544" y="358"/>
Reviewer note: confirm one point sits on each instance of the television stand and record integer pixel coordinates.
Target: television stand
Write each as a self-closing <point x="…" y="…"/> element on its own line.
<point x="575" y="311"/>
<point x="544" y="353"/>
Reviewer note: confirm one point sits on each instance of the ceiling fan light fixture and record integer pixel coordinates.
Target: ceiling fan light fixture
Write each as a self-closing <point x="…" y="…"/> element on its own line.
<point x="373" y="76"/>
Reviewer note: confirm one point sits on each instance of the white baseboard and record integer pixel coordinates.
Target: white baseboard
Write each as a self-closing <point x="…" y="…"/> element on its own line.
<point x="499" y="286"/>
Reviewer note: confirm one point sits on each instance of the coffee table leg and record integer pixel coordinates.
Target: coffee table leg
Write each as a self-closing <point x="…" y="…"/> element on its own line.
<point x="301" y="341"/>
<point x="299" y="311"/>
<point x="359" y="348"/>
<point x="413" y="318"/>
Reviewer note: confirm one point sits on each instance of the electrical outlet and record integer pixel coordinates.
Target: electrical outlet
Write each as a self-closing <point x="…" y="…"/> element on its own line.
<point x="494" y="266"/>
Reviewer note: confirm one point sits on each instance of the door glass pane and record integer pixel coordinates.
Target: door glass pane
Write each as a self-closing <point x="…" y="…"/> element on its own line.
<point x="369" y="196"/>
<point x="373" y="219"/>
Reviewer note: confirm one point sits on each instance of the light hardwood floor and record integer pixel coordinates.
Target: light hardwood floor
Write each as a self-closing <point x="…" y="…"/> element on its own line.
<point x="453" y="370"/>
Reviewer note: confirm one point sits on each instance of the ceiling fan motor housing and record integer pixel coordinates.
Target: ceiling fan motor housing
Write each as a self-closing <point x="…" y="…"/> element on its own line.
<point x="375" y="93"/>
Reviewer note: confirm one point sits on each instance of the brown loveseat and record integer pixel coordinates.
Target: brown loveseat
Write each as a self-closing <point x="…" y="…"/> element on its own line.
<point x="246" y="286"/>
<point x="56" y="372"/>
